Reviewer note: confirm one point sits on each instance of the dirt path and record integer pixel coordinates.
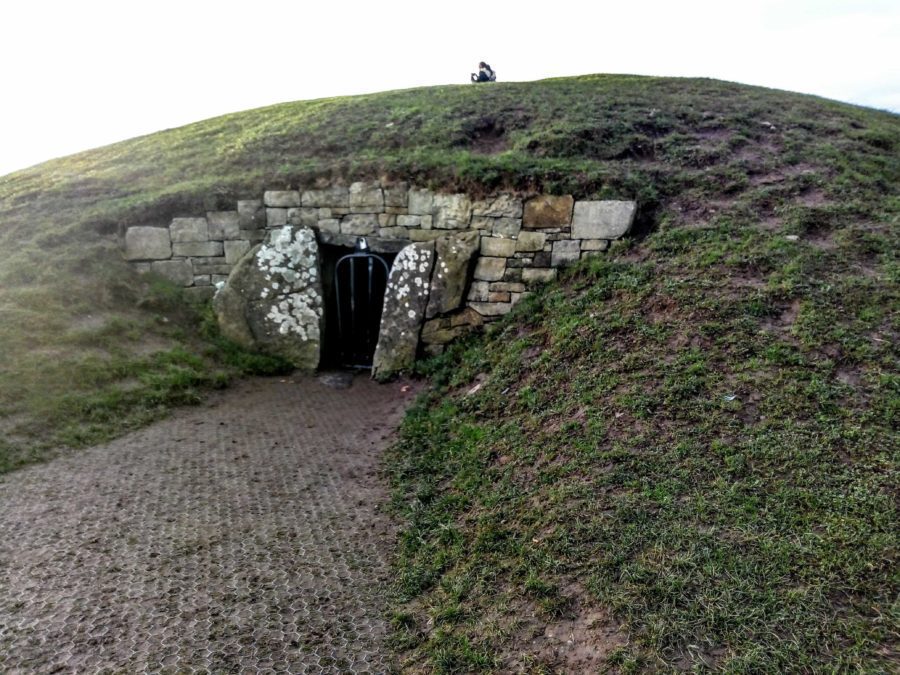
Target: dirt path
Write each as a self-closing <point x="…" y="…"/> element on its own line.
<point x="241" y="536"/>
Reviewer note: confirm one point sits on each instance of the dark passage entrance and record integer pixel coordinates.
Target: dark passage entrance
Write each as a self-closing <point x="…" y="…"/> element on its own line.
<point x="355" y="284"/>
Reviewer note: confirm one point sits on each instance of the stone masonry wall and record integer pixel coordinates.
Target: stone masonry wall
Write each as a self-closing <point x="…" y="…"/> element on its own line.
<point x="522" y="242"/>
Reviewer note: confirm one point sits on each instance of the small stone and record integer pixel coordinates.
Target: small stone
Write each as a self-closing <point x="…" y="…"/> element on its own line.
<point x="498" y="296"/>
<point x="251" y="214"/>
<point x="281" y="198"/>
<point x="305" y="216"/>
<point x="602" y="219"/>
<point x="202" y="280"/>
<point x="333" y="197"/>
<point x="387" y="220"/>
<point x="147" y="243"/>
<point x="538" y="275"/>
<point x="490" y="269"/>
<point x="420" y="202"/>
<point x="498" y="207"/>
<point x="542" y="259"/>
<point x="565" y="253"/>
<point x="491" y="308"/>
<point x="202" y="249"/>
<point x="507" y="286"/>
<point x="366" y="198"/>
<point x="506" y="227"/>
<point x="548" y="211"/>
<point x="531" y="241"/>
<point x="409" y="221"/>
<point x="497" y="247"/>
<point x="276" y="217"/>
<point x="189" y="229"/>
<point x="479" y="291"/>
<point x="223" y="224"/>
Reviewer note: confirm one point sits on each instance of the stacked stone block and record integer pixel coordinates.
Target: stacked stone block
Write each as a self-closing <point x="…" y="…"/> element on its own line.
<point x="521" y="243"/>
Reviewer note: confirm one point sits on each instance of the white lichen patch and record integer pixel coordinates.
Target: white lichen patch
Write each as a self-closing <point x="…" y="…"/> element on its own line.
<point x="289" y="262"/>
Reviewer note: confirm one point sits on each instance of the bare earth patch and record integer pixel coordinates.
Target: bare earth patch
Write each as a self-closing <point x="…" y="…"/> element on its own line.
<point x="241" y="536"/>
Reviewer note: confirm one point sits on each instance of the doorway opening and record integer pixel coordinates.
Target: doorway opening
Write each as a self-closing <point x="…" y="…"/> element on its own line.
<point x="354" y="282"/>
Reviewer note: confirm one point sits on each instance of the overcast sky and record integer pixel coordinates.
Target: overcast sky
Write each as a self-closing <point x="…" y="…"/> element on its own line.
<point x="82" y="73"/>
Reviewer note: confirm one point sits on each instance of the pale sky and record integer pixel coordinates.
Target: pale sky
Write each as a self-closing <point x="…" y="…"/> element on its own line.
<point x="79" y="74"/>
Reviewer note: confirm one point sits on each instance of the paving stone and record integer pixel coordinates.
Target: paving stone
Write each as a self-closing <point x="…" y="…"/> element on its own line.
<point x="217" y="540"/>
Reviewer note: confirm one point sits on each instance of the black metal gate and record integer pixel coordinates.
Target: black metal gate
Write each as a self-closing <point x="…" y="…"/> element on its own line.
<point x="360" y="280"/>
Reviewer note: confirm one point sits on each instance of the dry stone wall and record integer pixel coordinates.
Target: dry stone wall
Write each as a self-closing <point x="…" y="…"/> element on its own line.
<point x="516" y="243"/>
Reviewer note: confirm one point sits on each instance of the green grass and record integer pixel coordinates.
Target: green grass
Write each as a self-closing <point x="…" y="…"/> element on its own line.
<point x="695" y="435"/>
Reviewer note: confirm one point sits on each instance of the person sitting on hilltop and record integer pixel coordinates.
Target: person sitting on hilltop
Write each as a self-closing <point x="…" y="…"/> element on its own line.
<point x="484" y="74"/>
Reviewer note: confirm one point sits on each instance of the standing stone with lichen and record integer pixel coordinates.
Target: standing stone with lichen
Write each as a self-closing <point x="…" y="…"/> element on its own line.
<point x="405" y="301"/>
<point x="272" y="300"/>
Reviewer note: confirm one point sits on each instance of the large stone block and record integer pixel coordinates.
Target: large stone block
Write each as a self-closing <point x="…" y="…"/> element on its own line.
<point x="333" y="197"/>
<point x="366" y="198"/>
<point x="201" y="249"/>
<point x="223" y="224"/>
<point x="452" y="212"/>
<point x="548" y="211"/>
<point x="396" y="196"/>
<point x="490" y="269"/>
<point x="276" y="217"/>
<point x="451" y="272"/>
<point x="421" y="202"/>
<point x="506" y="227"/>
<point x="281" y="198"/>
<point x="272" y="300"/>
<point x="503" y="206"/>
<point x="565" y="252"/>
<point x="405" y="301"/>
<point x="189" y="229"/>
<point x="360" y="224"/>
<point x="251" y="214"/>
<point x="602" y="220"/>
<point x="497" y="247"/>
<point x="147" y="243"/>
<point x="177" y="271"/>
<point x="303" y="216"/>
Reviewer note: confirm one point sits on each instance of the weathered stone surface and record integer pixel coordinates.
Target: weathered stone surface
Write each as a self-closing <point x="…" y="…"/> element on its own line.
<point x="425" y="235"/>
<point x="531" y="241"/>
<point x="479" y="291"/>
<point x="548" y="211"/>
<point x="141" y="267"/>
<point x="147" y="243"/>
<point x="489" y="269"/>
<point x="235" y="250"/>
<point x="276" y="217"/>
<point x="542" y="259"/>
<point x="273" y="299"/>
<point x="498" y="247"/>
<point x="334" y="198"/>
<point x="253" y="236"/>
<point x="499" y="207"/>
<point x="491" y="308"/>
<point x="452" y="212"/>
<point x="177" y="271"/>
<point x="405" y="301"/>
<point x="202" y="249"/>
<point x="281" y="198"/>
<point x="396" y="196"/>
<point x="421" y="202"/>
<point x="594" y="244"/>
<point x="189" y="229"/>
<point x="602" y="220"/>
<point x="387" y="220"/>
<point x="506" y="227"/>
<point x="330" y="225"/>
<point x="393" y="233"/>
<point x="202" y="266"/>
<point x="538" y="275"/>
<point x="467" y="317"/>
<point x="507" y="286"/>
<point x="304" y="216"/>
<point x="565" y="252"/>
<point x="498" y="296"/>
<point x="451" y="272"/>
<point x="223" y="224"/>
<point x="366" y="198"/>
<point x="202" y="280"/>
<point x="251" y="214"/>
<point x="409" y="221"/>
<point x="360" y="224"/>
<point x="481" y="223"/>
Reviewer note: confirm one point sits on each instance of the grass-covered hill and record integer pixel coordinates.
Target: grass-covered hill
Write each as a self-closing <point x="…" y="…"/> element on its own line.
<point x="684" y="455"/>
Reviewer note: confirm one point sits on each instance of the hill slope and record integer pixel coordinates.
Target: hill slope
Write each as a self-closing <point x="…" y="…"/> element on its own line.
<point x="684" y="454"/>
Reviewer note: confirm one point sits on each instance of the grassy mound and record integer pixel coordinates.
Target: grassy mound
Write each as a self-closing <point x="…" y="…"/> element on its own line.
<point x="682" y="456"/>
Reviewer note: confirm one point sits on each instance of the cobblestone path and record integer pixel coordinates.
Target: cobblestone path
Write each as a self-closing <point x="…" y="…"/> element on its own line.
<point x="240" y="536"/>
